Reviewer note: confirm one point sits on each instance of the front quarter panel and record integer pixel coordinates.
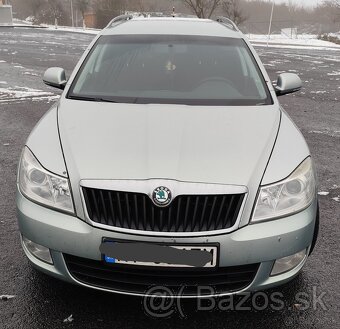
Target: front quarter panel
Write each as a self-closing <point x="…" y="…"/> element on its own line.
<point x="289" y="151"/>
<point x="45" y="144"/>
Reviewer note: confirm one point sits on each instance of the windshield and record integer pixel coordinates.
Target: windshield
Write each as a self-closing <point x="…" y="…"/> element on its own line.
<point x="170" y="69"/>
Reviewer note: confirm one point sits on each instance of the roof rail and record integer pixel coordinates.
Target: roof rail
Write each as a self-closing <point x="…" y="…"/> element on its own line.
<point x="120" y="19"/>
<point x="227" y="22"/>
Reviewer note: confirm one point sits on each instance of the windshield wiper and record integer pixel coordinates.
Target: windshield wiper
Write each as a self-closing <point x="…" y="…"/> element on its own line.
<point x="92" y="99"/>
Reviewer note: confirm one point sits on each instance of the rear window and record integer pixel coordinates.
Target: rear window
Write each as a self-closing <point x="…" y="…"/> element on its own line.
<point x="170" y="69"/>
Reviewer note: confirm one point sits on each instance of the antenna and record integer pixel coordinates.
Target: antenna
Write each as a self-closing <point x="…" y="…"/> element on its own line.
<point x="173" y="9"/>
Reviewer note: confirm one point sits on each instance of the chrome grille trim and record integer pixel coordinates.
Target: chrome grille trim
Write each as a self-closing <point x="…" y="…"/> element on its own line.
<point x="177" y="188"/>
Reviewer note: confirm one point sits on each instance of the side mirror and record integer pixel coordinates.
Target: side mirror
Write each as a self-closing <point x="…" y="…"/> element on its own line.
<point x="55" y="77"/>
<point x="288" y="83"/>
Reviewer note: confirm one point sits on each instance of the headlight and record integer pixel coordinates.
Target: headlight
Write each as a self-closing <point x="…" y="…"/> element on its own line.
<point x="289" y="196"/>
<point x="39" y="185"/>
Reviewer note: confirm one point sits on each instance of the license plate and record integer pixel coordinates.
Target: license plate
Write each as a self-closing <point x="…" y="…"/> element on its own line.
<point x="148" y="254"/>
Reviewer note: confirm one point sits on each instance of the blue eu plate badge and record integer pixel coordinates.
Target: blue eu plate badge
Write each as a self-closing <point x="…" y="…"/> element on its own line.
<point x="110" y="260"/>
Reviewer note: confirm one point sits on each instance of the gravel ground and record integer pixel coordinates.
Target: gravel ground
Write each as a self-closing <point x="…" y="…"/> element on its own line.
<point x="42" y="302"/>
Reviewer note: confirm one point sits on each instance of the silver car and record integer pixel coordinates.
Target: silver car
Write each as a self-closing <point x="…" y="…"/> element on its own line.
<point x="168" y="162"/>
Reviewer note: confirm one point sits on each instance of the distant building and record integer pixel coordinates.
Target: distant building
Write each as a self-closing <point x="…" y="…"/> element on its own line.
<point x="90" y="19"/>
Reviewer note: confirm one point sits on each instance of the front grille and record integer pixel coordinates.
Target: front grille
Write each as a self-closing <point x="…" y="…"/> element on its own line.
<point x="139" y="279"/>
<point x="186" y="213"/>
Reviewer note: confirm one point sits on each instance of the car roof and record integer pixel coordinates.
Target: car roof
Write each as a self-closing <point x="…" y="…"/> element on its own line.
<point x="172" y="26"/>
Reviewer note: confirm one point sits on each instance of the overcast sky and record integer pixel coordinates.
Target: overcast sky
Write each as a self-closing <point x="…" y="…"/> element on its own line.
<point x="307" y="3"/>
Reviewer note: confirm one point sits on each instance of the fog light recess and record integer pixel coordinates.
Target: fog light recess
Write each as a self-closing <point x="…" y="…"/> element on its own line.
<point x="288" y="263"/>
<point x="38" y="250"/>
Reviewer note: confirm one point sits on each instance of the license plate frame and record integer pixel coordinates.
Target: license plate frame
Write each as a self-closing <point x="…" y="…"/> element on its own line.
<point x="213" y="248"/>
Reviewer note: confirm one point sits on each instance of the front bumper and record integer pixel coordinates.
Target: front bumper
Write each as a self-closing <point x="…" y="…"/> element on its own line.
<point x="257" y="243"/>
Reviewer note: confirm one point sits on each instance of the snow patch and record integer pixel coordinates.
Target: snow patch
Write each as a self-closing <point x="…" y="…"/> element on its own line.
<point x="323" y="193"/>
<point x="49" y="99"/>
<point x="32" y="74"/>
<point x="317" y="62"/>
<point x="71" y="29"/>
<point x="328" y="132"/>
<point x="295" y="47"/>
<point x="9" y="95"/>
<point x="6" y="297"/>
<point x="69" y="319"/>
<point x="21" y="92"/>
<point x="303" y="40"/>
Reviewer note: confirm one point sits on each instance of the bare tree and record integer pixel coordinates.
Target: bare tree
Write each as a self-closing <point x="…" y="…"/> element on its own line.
<point x="108" y="9"/>
<point x="35" y="6"/>
<point x="291" y="5"/>
<point x="51" y="12"/>
<point x="232" y="10"/>
<point x="144" y="6"/>
<point x="333" y="8"/>
<point x="203" y="8"/>
<point x="82" y="6"/>
<point x="140" y="5"/>
<point x="333" y="3"/>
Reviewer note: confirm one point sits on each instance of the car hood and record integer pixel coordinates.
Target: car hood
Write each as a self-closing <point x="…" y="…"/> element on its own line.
<point x="225" y="145"/>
